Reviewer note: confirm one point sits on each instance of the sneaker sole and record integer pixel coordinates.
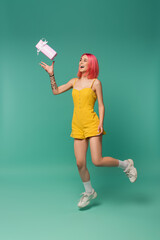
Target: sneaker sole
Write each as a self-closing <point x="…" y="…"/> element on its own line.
<point x="135" y="178"/>
<point x="132" y="163"/>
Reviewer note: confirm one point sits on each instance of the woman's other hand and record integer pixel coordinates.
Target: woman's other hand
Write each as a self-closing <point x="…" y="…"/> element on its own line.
<point x="48" y="68"/>
<point x="100" y="129"/>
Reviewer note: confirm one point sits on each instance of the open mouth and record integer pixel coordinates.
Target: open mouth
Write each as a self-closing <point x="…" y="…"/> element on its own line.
<point x="81" y="66"/>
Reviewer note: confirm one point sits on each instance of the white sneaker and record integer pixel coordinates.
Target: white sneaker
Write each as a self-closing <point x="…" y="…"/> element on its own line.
<point x="131" y="171"/>
<point x="86" y="198"/>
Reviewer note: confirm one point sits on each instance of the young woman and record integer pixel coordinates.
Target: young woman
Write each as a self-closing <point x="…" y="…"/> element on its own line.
<point x="85" y="123"/>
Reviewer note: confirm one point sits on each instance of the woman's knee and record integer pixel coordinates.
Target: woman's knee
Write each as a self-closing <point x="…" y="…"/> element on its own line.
<point x="96" y="161"/>
<point x="80" y="149"/>
<point x="81" y="164"/>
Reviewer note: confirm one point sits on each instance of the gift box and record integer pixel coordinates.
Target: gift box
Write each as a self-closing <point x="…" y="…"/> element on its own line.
<point x="43" y="47"/>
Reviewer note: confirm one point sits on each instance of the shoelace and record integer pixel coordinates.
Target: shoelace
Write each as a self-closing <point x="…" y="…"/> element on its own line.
<point x="129" y="172"/>
<point x="85" y="194"/>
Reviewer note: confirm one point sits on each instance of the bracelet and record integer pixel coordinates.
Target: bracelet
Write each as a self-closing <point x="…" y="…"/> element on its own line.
<point x="51" y="75"/>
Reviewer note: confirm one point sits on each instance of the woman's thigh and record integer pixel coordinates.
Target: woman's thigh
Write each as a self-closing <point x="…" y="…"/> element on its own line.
<point x="80" y="151"/>
<point x="96" y="149"/>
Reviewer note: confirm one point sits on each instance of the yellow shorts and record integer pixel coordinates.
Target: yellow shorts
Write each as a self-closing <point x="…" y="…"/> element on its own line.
<point x="85" y="127"/>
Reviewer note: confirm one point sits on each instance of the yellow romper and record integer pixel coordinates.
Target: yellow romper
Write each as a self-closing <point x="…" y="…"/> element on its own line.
<point x="85" y="121"/>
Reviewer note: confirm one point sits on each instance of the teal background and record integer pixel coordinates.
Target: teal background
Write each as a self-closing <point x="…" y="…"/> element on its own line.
<point x="39" y="181"/>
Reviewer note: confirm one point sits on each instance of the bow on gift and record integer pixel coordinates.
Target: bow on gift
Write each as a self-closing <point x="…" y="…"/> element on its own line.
<point x="42" y="45"/>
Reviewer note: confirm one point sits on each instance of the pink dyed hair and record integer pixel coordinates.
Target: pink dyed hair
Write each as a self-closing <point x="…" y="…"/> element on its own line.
<point x="93" y="67"/>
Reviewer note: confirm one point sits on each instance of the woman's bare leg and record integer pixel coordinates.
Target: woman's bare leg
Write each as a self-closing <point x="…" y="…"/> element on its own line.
<point x="96" y="153"/>
<point x="80" y="151"/>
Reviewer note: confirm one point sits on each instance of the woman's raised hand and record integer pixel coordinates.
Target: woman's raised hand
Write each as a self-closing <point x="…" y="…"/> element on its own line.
<point x="47" y="68"/>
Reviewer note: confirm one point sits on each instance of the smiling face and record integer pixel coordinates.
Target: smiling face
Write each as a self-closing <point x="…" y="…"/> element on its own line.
<point x="83" y="64"/>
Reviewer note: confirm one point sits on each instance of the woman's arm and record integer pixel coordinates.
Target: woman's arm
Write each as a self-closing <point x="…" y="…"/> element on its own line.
<point x="63" y="88"/>
<point x="55" y="89"/>
<point x="101" y="114"/>
<point x="53" y="84"/>
<point x="98" y="87"/>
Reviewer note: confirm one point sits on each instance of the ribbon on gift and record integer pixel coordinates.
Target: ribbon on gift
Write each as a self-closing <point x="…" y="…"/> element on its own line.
<point x="42" y="45"/>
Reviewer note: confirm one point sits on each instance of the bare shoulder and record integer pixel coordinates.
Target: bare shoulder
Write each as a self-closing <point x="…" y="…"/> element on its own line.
<point x="97" y="81"/>
<point x="97" y="84"/>
<point x="72" y="81"/>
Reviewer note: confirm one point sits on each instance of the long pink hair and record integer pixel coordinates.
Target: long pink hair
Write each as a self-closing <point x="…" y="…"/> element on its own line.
<point x="93" y="67"/>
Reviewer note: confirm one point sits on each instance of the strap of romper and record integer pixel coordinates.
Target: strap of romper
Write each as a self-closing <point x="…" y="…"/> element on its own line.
<point x="74" y="82"/>
<point x="93" y="82"/>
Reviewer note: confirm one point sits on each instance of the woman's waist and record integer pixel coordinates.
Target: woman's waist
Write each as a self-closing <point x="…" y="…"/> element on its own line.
<point x="84" y="117"/>
<point x="84" y="109"/>
<point x="84" y="112"/>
